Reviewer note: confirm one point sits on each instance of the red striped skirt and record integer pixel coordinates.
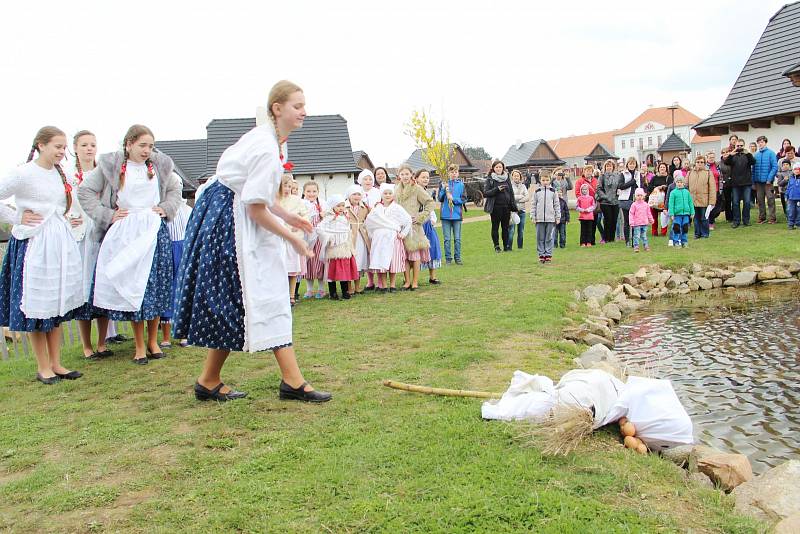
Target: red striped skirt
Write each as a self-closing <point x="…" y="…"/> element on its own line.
<point x="398" y="264"/>
<point x="315" y="268"/>
<point x="422" y="255"/>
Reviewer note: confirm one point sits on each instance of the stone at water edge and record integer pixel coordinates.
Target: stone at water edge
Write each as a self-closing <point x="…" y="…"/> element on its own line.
<point x="594" y="339"/>
<point x="773" y="495"/>
<point x="676" y="280"/>
<point x="782" y="273"/>
<point x="612" y="311"/>
<point x="717" y="282"/>
<point x="597" y="291"/>
<point x="629" y="279"/>
<point x="629" y="306"/>
<point x="727" y="470"/>
<point x="752" y="269"/>
<point x="692" y="285"/>
<point x="766" y="275"/>
<point x="794" y="267"/>
<point x="770" y="269"/>
<point x="703" y="283"/>
<point x="641" y="275"/>
<point x="678" y="455"/>
<point x="597" y="353"/>
<point x="701" y="479"/>
<point x="742" y="279"/>
<point x="631" y="291"/>
<point x="599" y="329"/>
<point x="781" y="281"/>
<point x="602" y="319"/>
<point x="664" y="277"/>
<point x="683" y="290"/>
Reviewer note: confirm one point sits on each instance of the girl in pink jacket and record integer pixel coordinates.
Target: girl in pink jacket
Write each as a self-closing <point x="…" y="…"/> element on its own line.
<point x="585" y="206"/>
<point x="640" y="218"/>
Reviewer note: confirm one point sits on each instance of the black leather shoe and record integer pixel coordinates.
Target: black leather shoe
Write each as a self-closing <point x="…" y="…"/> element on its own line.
<point x="72" y="375"/>
<point x="140" y="361"/>
<point x="105" y="353"/>
<point x="155" y="355"/>
<point x="434" y="282"/>
<point x="202" y="393"/>
<point x="392" y="290"/>
<point x="93" y="356"/>
<point x="346" y="296"/>
<point x="287" y="392"/>
<point x="49" y="381"/>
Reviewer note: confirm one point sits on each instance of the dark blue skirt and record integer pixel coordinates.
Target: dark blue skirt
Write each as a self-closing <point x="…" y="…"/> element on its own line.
<point x="177" y="253"/>
<point x="11" y="294"/>
<point x="157" y="293"/>
<point x="433" y="238"/>
<point x="209" y="310"/>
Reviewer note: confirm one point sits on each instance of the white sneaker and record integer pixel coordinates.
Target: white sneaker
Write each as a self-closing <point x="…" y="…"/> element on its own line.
<point x="670" y="243"/>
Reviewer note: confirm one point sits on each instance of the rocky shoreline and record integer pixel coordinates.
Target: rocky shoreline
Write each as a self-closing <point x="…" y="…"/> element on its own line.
<point x="774" y="496"/>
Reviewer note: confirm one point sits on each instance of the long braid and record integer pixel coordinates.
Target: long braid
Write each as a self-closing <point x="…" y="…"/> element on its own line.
<point x="67" y="187"/>
<point x="151" y="172"/>
<point x="32" y="153"/>
<point x="78" y="170"/>
<point x="123" y="169"/>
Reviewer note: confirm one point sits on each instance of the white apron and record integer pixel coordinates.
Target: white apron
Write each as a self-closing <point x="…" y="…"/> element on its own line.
<point x="261" y="256"/>
<point x="52" y="282"/>
<point x="127" y="251"/>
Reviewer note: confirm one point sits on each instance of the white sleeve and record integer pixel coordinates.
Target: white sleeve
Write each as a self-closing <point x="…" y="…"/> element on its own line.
<point x="260" y="186"/>
<point x="9" y="185"/>
<point x="8" y="214"/>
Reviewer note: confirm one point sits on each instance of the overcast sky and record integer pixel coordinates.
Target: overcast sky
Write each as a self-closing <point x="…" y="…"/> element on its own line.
<point x="496" y="71"/>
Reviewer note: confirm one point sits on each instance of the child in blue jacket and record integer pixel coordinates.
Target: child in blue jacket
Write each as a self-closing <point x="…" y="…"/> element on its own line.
<point x="453" y="196"/>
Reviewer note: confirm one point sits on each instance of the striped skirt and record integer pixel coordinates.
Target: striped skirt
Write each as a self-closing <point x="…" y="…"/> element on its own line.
<point x="315" y="268"/>
<point x="398" y="264"/>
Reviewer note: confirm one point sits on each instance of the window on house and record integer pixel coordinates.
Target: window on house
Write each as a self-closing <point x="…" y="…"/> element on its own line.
<point x="632" y="145"/>
<point x="649" y="141"/>
<point x="659" y="140"/>
<point x="641" y="142"/>
<point x="623" y="144"/>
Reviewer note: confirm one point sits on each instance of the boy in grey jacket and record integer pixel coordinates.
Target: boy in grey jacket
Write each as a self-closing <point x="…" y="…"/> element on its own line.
<point x="546" y="213"/>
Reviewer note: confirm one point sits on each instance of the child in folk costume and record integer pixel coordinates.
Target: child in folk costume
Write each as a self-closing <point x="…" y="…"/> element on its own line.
<point x="387" y="224"/>
<point x="337" y="247"/>
<point x="296" y="192"/>
<point x="41" y="281"/>
<point x="371" y="195"/>
<point x="129" y="195"/>
<point x="177" y="233"/>
<point x="232" y="282"/>
<point x="293" y="204"/>
<point x="418" y="204"/>
<point x="315" y="267"/>
<point x="84" y="143"/>
<point x="357" y="213"/>
<point x="435" y="249"/>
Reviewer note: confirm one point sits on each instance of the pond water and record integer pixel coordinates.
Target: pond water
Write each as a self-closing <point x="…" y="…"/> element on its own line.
<point x="734" y="361"/>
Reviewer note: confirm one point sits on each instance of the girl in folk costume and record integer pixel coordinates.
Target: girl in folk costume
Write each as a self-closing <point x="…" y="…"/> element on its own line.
<point x="129" y="195"/>
<point x="337" y="247"/>
<point x="295" y="263"/>
<point x="387" y="224"/>
<point x="435" y="250"/>
<point x="41" y="281"/>
<point x="371" y="193"/>
<point x="315" y="267"/>
<point x="418" y="203"/>
<point x="232" y="283"/>
<point x="84" y="143"/>
<point x="357" y="213"/>
<point x="177" y="233"/>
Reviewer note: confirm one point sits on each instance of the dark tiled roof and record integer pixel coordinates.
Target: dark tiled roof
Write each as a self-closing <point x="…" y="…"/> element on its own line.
<point x="322" y="146"/>
<point x="357" y="155"/>
<point x="223" y="133"/>
<point x="189" y="156"/>
<point x="417" y="160"/>
<point x="761" y="90"/>
<point x="518" y="155"/>
<point x="674" y="143"/>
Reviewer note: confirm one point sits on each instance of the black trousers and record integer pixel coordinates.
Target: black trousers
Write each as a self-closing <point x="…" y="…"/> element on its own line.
<point x="587" y="232"/>
<point x="598" y="225"/>
<point x="626" y="229"/>
<point x="727" y="199"/>
<point x="610" y="214"/>
<point x="501" y="217"/>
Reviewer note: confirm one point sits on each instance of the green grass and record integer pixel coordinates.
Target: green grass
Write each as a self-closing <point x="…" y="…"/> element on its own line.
<point x="129" y="449"/>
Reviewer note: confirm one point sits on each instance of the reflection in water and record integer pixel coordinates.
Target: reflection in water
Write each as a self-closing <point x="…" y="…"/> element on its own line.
<point x="735" y="365"/>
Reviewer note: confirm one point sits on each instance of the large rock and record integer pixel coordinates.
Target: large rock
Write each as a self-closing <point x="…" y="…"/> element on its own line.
<point x="597" y="353"/>
<point x="594" y="339"/>
<point x="717" y="282"/>
<point x="794" y="267"/>
<point x="790" y="525"/>
<point x="627" y="306"/>
<point x="629" y="279"/>
<point x="631" y="291"/>
<point x="599" y="329"/>
<point x="781" y="281"/>
<point x="676" y="280"/>
<point x="641" y="275"/>
<point x="594" y="305"/>
<point x="742" y="279"/>
<point x="678" y="455"/>
<point x="752" y="269"/>
<point x="597" y="291"/>
<point x="772" y="496"/>
<point x="782" y="273"/>
<point x="701" y="479"/>
<point x="766" y="275"/>
<point x="664" y="277"/>
<point x="703" y="283"/>
<point x="692" y="285"/>
<point x="727" y="470"/>
<point x="697" y="268"/>
<point x="612" y="311"/>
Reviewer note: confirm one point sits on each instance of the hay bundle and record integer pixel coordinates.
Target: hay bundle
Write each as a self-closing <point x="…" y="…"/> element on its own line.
<point x="561" y="433"/>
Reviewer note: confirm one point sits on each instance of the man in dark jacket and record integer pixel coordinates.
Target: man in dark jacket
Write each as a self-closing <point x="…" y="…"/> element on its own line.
<point x="741" y="164"/>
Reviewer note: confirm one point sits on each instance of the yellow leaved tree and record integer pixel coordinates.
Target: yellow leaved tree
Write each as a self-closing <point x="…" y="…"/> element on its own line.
<point x="433" y="140"/>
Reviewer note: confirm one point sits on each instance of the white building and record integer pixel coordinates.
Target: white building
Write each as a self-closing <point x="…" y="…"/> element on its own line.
<point x="644" y="134"/>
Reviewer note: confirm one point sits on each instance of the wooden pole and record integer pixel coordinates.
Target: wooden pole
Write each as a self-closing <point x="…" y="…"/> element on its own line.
<point x="441" y="391"/>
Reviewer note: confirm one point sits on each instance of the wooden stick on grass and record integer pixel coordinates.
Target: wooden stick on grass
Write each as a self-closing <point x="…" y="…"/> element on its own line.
<point x="441" y="391"/>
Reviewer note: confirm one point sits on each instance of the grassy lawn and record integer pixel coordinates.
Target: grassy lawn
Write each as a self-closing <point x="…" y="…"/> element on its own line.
<point x="129" y="449"/>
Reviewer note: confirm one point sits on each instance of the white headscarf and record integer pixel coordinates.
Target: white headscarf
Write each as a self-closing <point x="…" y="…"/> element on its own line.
<point x="352" y="190"/>
<point x="387" y="187"/>
<point x="362" y="174"/>
<point x="333" y="201"/>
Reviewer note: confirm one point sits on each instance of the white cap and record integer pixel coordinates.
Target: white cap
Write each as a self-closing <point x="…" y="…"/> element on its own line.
<point x="333" y="201"/>
<point x="362" y="174"/>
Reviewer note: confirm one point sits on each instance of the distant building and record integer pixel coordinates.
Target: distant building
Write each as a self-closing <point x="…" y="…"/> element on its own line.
<point x="466" y="168"/>
<point x="362" y="160"/>
<point x="765" y="99"/>
<point x="320" y="151"/>
<point x="577" y="149"/>
<point x="532" y="156"/>
<point x="646" y="134"/>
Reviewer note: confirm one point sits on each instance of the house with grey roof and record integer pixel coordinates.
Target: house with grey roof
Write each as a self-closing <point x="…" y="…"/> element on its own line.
<point x="418" y="160"/>
<point x="673" y="146"/>
<point x="363" y="160"/>
<point x="764" y="100"/>
<point x="531" y="156"/>
<point x="320" y="151"/>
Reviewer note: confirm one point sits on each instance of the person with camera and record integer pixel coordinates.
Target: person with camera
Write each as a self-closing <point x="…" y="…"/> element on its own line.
<point x="500" y="203"/>
<point x="741" y="164"/>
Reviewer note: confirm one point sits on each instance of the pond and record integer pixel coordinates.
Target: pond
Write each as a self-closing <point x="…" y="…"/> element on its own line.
<point x="734" y="361"/>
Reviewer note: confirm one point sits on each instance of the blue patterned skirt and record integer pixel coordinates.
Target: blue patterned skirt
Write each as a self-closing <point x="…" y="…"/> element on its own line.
<point x="11" y="294"/>
<point x="177" y="253"/>
<point x="157" y="293"/>
<point x="436" y="247"/>
<point x="209" y="309"/>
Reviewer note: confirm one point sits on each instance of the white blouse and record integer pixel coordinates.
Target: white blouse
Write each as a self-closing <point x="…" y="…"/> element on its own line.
<point x="249" y="167"/>
<point x="37" y="189"/>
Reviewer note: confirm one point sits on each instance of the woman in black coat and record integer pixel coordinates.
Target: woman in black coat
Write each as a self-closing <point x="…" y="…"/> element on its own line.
<point x="500" y="203"/>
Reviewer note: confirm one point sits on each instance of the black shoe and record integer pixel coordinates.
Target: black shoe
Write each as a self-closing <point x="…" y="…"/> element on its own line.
<point x="72" y="375"/>
<point x="105" y="353"/>
<point x="497" y="249"/>
<point x="346" y="296"/>
<point x="49" y="381"/>
<point x="369" y="288"/>
<point x="392" y="290"/>
<point x="93" y="356"/>
<point x="404" y="288"/>
<point x="747" y="224"/>
<point x="735" y="225"/>
<point x="287" y="392"/>
<point x="334" y="297"/>
<point x="448" y="262"/>
<point x="412" y="288"/>
<point x="434" y="282"/>
<point x="140" y="361"/>
<point x="119" y="338"/>
<point x="202" y="393"/>
<point x="155" y="355"/>
<point x="459" y="262"/>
